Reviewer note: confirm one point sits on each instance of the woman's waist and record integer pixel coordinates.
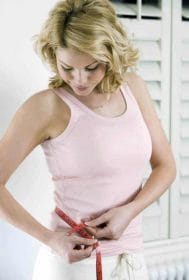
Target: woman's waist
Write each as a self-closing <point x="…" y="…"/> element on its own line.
<point x="84" y="204"/>
<point x="58" y="224"/>
<point x="130" y="240"/>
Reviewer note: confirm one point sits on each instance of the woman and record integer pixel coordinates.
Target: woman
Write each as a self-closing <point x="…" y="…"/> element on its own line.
<point x="99" y="131"/>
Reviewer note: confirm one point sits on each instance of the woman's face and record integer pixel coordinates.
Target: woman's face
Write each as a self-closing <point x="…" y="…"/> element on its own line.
<point x="79" y="70"/>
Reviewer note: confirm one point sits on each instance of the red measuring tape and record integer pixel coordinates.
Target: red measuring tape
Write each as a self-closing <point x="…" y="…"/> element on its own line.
<point x="80" y="228"/>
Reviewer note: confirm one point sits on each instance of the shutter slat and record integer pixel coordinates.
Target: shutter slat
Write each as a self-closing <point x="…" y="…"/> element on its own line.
<point x="184" y="170"/>
<point x="185" y="91"/>
<point x="155" y="90"/>
<point x="184" y="148"/>
<point x="185" y="37"/>
<point x="185" y="71"/>
<point x="124" y="9"/>
<point x="151" y="10"/>
<point x="184" y="205"/>
<point x="184" y="189"/>
<point x="150" y="70"/>
<point x="185" y="13"/>
<point x="185" y="129"/>
<point x="138" y="31"/>
<point x="184" y="110"/>
<point x="149" y="50"/>
<point x="132" y="10"/>
<point x="185" y="52"/>
<point x="153" y="211"/>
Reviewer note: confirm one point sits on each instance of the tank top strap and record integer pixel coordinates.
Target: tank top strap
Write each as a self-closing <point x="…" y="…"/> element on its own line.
<point x="82" y="109"/>
<point x="130" y="93"/>
<point x="130" y="98"/>
<point x="75" y="112"/>
<point x="78" y="109"/>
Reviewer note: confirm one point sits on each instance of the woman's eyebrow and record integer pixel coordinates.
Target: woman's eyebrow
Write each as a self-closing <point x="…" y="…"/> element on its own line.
<point x="84" y="66"/>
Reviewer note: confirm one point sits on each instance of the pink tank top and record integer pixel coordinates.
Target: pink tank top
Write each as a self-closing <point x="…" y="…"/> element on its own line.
<point x="98" y="163"/>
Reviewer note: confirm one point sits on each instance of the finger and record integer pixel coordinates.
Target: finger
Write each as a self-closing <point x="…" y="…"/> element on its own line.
<point x="78" y="255"/>
<point x="100" y="220"/>
<point x="91" y="230"/>
<point x="89" y="218"/>
<point x="102" y="233"/>
<point x="85" y="219"/>
<point x="84" y="241"/>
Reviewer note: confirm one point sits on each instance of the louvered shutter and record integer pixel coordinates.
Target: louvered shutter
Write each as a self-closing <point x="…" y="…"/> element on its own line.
<point x="180" y="122"/>
<point x="149" y="28"/>
<point x="184" y="130"/>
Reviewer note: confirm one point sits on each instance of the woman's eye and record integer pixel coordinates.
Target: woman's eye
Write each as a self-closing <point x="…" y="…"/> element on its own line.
<point x="87" y="69"/>
<point x="92" y="69"/>
<point x="66" y="69"/>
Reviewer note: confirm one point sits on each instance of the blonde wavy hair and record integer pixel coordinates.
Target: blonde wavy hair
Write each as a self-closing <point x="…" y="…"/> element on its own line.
<point x="91" y="27"/>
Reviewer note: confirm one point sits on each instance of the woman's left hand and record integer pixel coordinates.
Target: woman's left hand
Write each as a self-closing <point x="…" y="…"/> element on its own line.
<point x="111" y="224"/>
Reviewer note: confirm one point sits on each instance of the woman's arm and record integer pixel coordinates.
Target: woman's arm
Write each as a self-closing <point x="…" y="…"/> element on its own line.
<point x="15" y="214"/>
<point x="27" y="129"/>
<point x="30" y="127"/>
<point x="162" y="159"/>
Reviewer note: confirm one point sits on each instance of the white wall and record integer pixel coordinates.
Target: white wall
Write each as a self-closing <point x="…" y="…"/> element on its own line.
<point x="21" y="75"/>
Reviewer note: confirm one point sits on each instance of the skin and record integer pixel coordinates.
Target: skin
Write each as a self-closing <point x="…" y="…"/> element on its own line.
<point x="44" y="115"/>
<point x="78" y="69"/>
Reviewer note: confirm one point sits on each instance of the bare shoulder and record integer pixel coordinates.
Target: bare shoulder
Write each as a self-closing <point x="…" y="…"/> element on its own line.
<point x="42" y="101"/>
<point x="138" y="88"/>
<point x="39" y="108"/>
<point x="140" y="91"/>
<point x="49" y="109"/>
<point x="131" y="76"/>
<point x="142" y="95"/>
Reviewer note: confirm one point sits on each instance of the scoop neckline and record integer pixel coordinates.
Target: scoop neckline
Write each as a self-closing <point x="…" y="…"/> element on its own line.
<point x="94" y="114"/>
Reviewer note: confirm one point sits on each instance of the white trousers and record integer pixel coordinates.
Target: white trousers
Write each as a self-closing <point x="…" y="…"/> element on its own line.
<point x="122" y="267"/>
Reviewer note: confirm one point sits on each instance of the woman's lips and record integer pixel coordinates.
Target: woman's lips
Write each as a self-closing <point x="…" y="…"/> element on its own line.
<point x="81" y="88"/>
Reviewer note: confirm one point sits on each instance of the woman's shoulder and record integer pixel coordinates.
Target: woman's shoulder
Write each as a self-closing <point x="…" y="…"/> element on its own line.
<point x="48" y="101"/>
<point x="137" y="85"/>
<point x="45" y="96"/>
<point x="52" y="109"/>
<point x="42" y="102"/>
<point x="134" y="79"/>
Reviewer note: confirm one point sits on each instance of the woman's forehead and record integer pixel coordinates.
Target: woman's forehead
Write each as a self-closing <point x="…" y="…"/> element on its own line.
<point x="72" y="57"/>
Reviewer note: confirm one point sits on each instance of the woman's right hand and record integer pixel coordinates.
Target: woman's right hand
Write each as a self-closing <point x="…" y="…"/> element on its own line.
<point x="73" y="248"/>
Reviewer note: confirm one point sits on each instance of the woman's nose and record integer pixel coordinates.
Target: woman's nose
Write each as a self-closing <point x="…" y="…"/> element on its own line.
<point x="80" y="77"/>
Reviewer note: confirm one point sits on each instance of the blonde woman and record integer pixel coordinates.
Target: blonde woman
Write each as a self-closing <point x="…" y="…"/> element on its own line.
<point x="98" y="129"/>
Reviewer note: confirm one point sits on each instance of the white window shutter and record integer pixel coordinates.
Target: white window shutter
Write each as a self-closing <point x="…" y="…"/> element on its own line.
<point x="180" y="121"/>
